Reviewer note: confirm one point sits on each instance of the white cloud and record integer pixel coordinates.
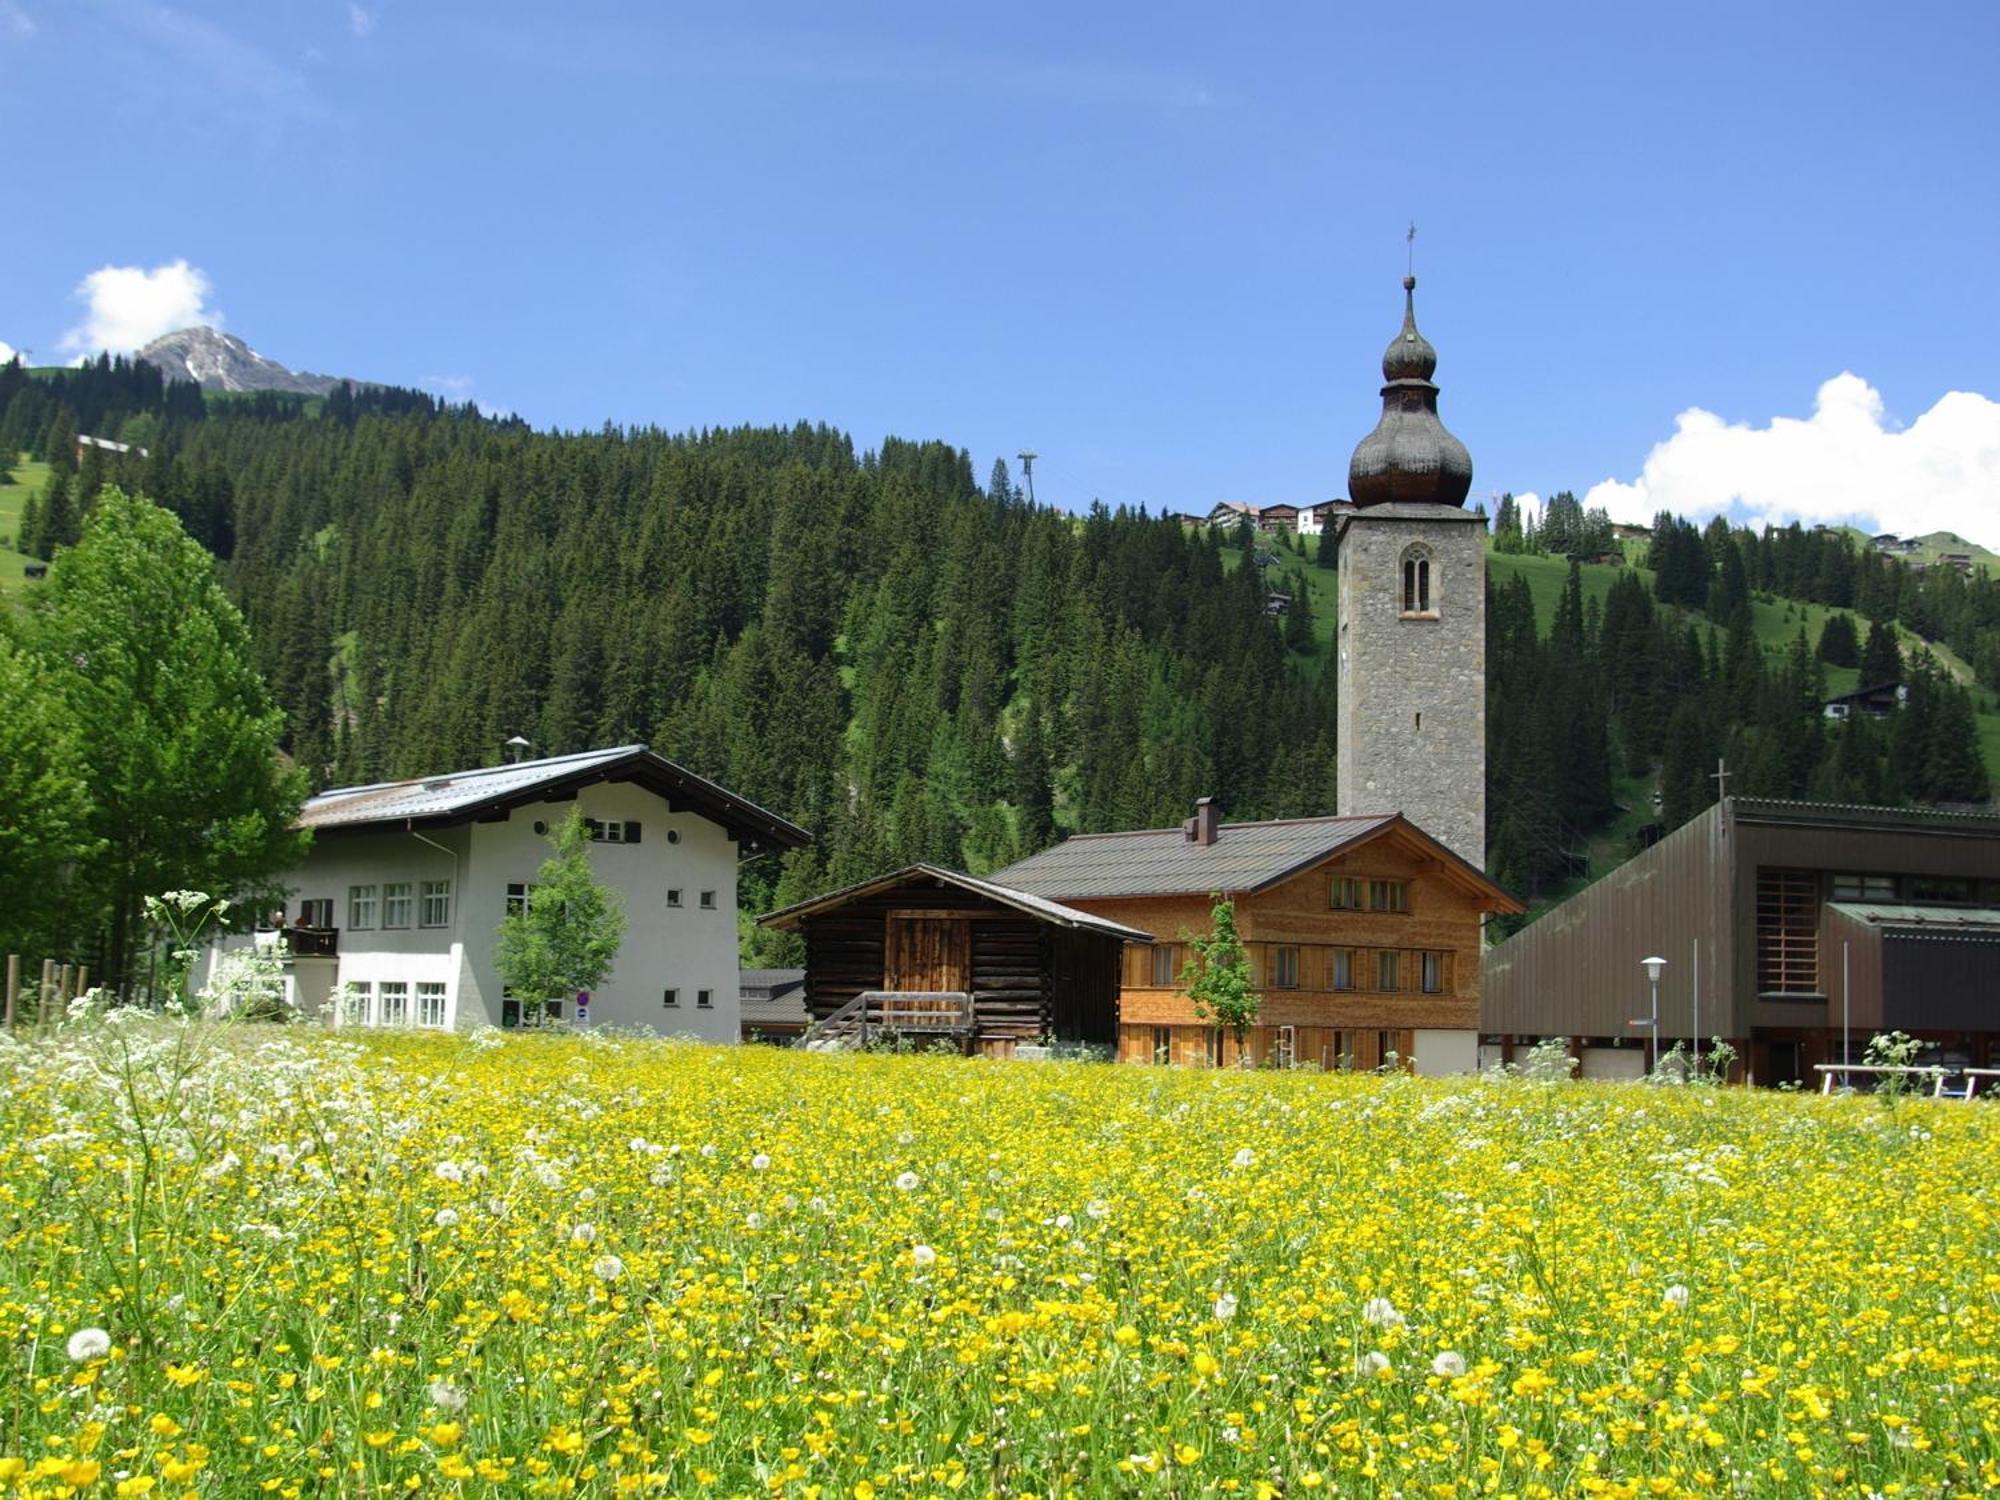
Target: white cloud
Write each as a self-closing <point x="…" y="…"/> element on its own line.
<point x="15" y="23"/>
<point x="128" y="307"/>
<point x="6" y="352"/>
<point x="359" y="21"/>
<point x="1844" y="462"/>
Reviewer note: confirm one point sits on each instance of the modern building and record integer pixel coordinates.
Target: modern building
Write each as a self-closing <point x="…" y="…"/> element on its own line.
<point x="399" y="901"/>
<point x="933" y="953"/>
<point x="1793" y="930"/>
<point x="1313" y="519"/>
<point x="1363" y="935"/>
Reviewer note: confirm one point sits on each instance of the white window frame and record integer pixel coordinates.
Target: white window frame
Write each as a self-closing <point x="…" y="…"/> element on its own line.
<point x="434" y="903"/>
<point x="520" y="896"/>
<point x="398" y="991"/>
<point x="399" y="905"/>
<point x="674" y="897"/>
<point x="708" y="900"/>
<point x="670" y="998"/>
<point x="357" y="1003"/>
<point x="361" y="908"/>
<point x="431" y="1004"/>
<point x="704" y="999"/>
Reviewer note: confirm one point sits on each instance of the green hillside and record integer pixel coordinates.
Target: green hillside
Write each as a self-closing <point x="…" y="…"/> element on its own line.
<point x="28" y="477"/>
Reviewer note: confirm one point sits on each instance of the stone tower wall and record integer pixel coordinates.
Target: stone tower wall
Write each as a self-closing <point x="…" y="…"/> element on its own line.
<point x="1413" y="688"/>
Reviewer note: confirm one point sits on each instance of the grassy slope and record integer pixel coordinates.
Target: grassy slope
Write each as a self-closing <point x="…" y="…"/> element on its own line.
<point x="1776" y="620"/>
<point x="28" y="479"/>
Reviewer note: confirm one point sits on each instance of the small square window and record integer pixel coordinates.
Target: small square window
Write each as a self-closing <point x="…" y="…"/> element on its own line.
<point x="436" y="908"/>
<point x="704" y="999"/>
<point x="1388" y="895"/>
<point x="1285" y="968"/>
<point x="1346" y="893"/>
<point x="1343" y="968"/>
<point x="361" y="906"/>
<point x="1163" y="966"/>
<point x="671" y="998"/>
<point x="1388" y="970"/>
<point x="397" y="904"/>
<point x="708" y="900"/>
<point x="673" y="898"/>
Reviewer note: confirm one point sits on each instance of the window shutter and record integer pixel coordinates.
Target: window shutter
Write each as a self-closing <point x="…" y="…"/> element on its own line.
<point x="631" y="832"/>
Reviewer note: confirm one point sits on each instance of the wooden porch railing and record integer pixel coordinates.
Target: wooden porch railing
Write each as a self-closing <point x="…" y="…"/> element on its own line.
<point x="896" y="1013"/>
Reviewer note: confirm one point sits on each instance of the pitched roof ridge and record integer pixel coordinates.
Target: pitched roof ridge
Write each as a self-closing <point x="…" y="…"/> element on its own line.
<point x="1127" y="833"/>
<point x="519" y="765"/>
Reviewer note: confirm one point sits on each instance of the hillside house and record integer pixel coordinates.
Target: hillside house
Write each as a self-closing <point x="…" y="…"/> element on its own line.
<point x="1790" y="929"/>
<point x="1313" y="518"/>
<point x="941" y="956"/>
<point x="1876" y="701"/>
<point x="397" y="905"/>
<point x="86" y="444"/>
<point x="1229" y="512"/>
<point x="1363" y="935"/>
<point x="1278" y="518"/>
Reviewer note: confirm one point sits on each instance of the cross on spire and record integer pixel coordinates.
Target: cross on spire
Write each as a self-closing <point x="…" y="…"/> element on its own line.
<point x="1411" y="238"/>
<point x="1720" y="776"/>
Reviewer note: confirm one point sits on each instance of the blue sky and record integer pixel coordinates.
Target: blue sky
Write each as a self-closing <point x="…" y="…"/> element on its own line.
<point x="1160" y="244"/>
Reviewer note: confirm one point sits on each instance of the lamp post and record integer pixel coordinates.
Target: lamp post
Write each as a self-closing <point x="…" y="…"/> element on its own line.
<point x="1653" y="966"/>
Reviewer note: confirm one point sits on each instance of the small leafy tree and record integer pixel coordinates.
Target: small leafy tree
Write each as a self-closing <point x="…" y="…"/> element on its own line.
<point x="1217" y="975"/>
<point x="567" y="935"/>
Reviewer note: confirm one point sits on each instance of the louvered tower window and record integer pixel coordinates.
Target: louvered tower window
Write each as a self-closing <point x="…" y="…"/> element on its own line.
<point x="1787" y="932"/>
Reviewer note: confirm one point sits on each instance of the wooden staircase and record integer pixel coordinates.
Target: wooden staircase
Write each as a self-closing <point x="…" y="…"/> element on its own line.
<point x="891" y="1015"/>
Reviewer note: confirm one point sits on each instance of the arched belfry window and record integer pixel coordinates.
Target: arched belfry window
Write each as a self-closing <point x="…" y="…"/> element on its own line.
<point x="1417" y="596"/>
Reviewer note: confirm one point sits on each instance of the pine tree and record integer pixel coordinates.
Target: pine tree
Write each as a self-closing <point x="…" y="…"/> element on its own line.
<point x="566" y="937"/>
<point x="1881" y="659"/>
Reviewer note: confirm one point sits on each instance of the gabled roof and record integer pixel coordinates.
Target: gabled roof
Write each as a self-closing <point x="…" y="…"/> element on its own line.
<point x="1244" y="859"/>
<point x="1017" y="900"/>
<point x="490" y="792"/>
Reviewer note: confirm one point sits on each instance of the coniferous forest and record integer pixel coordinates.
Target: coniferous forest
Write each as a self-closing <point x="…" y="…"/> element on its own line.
<point x="911" y="661"/>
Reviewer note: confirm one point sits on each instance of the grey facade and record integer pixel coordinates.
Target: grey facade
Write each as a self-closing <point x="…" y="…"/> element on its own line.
<point x="1412" y="717"/>
<point x="1795" y="928"/>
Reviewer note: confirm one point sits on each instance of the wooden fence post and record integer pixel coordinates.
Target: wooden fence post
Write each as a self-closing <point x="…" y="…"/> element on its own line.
<point x="45" y="998"/>
<point x="13" y="987"/>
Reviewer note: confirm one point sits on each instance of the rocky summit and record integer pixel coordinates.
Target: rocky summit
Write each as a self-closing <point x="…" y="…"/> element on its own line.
<point x="222" y="362"/>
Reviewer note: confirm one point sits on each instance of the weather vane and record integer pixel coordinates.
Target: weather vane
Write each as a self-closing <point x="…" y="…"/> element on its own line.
<point x="1411" y="269"/>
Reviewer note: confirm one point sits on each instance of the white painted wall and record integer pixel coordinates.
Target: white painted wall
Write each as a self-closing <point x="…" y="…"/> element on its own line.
<point x="688" y="949"/>
<point x="1441" y="1053"/>
<point x="1613" y="1062"/>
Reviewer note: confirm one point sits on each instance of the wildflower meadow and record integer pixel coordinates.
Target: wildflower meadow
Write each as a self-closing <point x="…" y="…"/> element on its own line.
<point x="240" y="1260"/>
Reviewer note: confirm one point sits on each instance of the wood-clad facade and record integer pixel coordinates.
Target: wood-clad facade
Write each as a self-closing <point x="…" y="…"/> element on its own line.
<point x="1034" y="973"/>
<point x="1368" y="950"/>
<point x="1790" y="929"/>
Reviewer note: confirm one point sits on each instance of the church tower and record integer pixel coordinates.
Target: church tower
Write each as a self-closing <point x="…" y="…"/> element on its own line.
<point x="1412" y="636"/>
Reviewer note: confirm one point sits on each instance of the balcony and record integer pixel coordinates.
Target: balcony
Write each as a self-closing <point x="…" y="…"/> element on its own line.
<point x="301" y="942"/>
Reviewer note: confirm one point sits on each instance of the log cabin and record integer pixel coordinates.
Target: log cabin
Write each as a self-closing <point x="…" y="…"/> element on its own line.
<point x="951" y="957"/>
<point x="1363" y="935"/>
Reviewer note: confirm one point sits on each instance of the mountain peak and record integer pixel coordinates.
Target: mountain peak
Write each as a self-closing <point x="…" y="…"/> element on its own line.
<point x="219" y="361"/>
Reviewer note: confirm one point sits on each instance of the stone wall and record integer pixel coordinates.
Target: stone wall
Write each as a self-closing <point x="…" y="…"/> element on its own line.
<point x="1413" y="684"/>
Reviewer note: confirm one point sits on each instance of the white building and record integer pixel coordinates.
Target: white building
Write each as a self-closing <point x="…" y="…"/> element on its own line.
<point x="397" y="906"/>
<point x="1313" y="518"/>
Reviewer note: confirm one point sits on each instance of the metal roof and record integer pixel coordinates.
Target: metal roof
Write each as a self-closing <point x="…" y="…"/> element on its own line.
<point x="1860" y="815"/>
<point x="1165" y="861"/>
<point x="1018" y="900"/>
<point x="1939" y="920"/>
<point x="459" y="796"/>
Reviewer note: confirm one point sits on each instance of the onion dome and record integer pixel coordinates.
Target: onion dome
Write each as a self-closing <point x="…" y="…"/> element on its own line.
<point x="1409" y="458"/>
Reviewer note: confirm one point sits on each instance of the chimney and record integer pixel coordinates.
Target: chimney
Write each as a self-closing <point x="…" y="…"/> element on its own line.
<point x="1203" y="827"/>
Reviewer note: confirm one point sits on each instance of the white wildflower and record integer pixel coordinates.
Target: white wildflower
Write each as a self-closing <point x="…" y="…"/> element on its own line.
<point x="582" y="1234"/>
<point x="1676" y="1296"/>
<point x="760" y="1163"/>
<point x="1449" y="1363"/>
<point x="446" y="1396"/>
<point x="1371" y="1364"/>
<point x="923" y="1255"/>
<point x="1243" y="1158"/>
<point x="1380" y="1312"/>
<point x="445" y="1218"/>
<point x="1097" y="1208"/>
<point x="1225" y="1307"/>
<point x="608" y="1268"/>
<point x="908" y="1182"/>
<point x="450" y="1171"/>
<point x="87" y="1344"/>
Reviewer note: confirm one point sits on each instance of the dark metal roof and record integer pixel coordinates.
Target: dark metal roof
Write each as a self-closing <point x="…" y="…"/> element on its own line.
<point x="1018" y="900"/>
<point x="1982" y="822"/>
<point x="1245" y="857"/>
<point x="1409" y="457"/>
<point x="461" y="796"/>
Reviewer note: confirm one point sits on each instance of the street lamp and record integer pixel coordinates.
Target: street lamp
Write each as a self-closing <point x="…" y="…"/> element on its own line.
<point x="1653" y="966"/>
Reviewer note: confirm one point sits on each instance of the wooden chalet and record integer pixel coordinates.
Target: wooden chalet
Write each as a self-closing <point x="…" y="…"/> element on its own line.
<point x="932" y="953"/>
<point x="1363" y="935"/>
